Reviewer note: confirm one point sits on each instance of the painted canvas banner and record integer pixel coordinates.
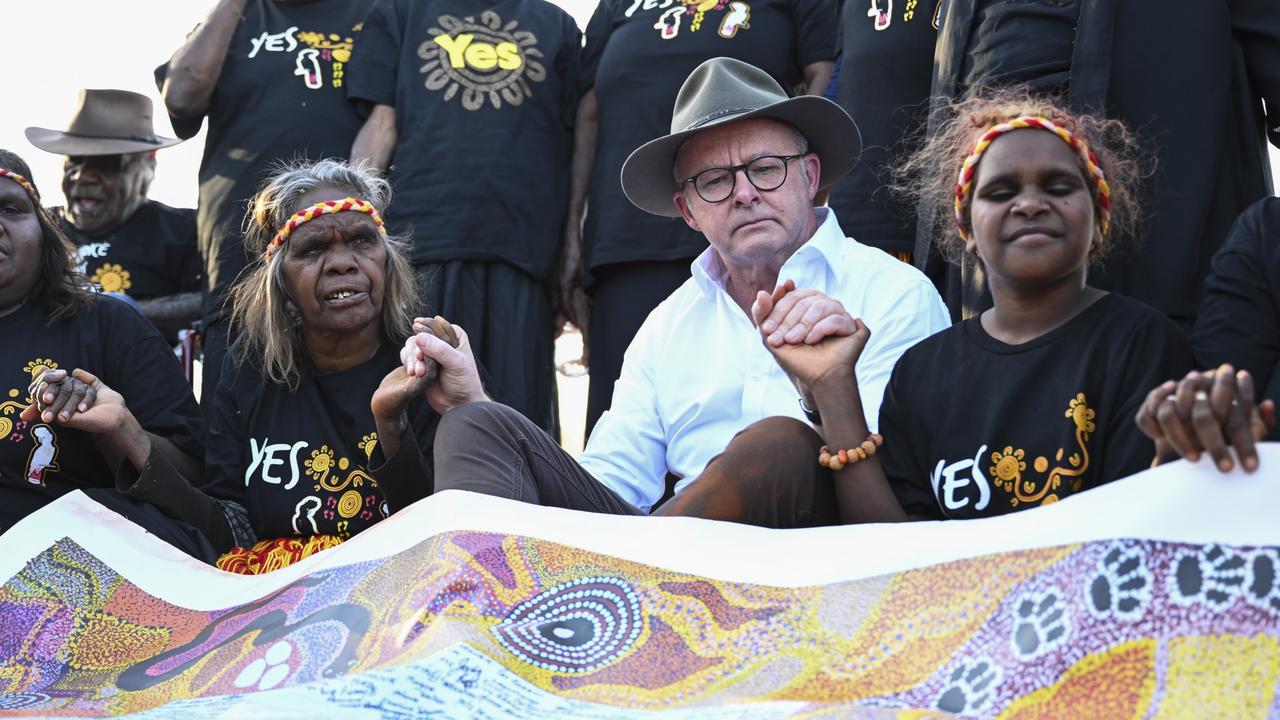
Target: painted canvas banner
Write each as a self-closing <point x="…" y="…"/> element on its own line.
<point x="1153" y="597"/>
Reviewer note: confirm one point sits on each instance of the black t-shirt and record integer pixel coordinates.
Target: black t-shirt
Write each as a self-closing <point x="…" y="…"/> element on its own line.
<point x="281" y="96"/>
<point x="638" y="53"/>
<point x="1022" y="42"/>
<point x="974" y="427"/>
<point x="1239" y="320"/>
<point x="886" y="66"/>
<point x="152" y="255"/>
<point x="302" y="461"/>
<point x="485" y="93"/>
<point x="40" y="462"/>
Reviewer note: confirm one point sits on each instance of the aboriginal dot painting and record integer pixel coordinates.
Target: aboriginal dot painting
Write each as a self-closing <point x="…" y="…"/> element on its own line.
<point x="493" y="625"/>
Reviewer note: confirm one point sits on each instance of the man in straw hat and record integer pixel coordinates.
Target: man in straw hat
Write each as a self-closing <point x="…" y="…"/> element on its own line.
<point x="127" y="245"/>
<point x="741" y="165"/>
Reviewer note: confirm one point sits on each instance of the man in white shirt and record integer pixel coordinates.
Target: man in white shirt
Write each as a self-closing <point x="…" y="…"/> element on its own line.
<point x="742" y="165"/>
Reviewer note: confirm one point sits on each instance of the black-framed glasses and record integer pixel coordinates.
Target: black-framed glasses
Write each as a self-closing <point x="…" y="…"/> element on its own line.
<point x="765" y="173"/>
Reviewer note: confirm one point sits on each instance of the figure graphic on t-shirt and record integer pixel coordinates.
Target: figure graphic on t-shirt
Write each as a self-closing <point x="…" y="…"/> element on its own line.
<point x="882" y="16"/>
<point x="701" y="7"/>
<point x="306" y="509"/>
<point x="1009" y="464"/>
<point x="668" y="25"/>
<point x="44" y="456"/>
<point x="307" y="66"/>
<point x="738" y="18"/>
<point x="111" y="278"/>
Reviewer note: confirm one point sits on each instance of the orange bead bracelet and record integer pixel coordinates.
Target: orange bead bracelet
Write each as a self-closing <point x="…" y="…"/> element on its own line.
<point x="838" y="459"/>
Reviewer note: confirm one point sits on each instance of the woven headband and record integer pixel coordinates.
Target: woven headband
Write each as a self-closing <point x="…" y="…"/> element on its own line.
<point x="24" y="183"/>
<point x="328" y="207"/>
<point x="964" y="185"/>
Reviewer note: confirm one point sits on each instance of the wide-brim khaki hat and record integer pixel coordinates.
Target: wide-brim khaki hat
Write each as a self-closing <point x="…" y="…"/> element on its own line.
<point x="723" y="90"/>
<point x="106" y="122"/>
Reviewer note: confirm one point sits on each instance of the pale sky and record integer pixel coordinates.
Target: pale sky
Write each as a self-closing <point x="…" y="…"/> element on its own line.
<point x="55" y="47"/>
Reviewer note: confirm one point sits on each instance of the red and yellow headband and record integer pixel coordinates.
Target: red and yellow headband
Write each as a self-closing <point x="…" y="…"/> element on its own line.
<point x="964" y="186"/>
<point x="328" y="207"/>
<point x="24" y="183"/>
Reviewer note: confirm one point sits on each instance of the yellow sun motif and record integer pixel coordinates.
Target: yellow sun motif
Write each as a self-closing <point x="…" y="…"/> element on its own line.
<point x="111" y="277"/>
<point x="368" y="443"/>
<point x="39" y="366"/>
<point x="1080" y="412"/>
<point x="320" y="463"/>
<point x="1008" y="466"/>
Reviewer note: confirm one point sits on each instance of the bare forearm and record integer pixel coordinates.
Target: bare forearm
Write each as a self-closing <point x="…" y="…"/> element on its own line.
<point x="862" y="491"/>
<point x="817" y="76"/>
<point x="172" y="313"/>
<point x="195" y="68"/>
<point x="376" y="141"/>
<point x="586" y="126"/>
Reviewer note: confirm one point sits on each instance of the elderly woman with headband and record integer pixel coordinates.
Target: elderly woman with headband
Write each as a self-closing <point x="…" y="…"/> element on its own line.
<point x="316" y="432"/>
<point x="1035" y="399"/>
<point x="90" y="395"/>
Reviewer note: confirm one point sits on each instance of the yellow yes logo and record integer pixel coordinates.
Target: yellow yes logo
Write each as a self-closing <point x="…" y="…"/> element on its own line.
<point x="464" y="51"/>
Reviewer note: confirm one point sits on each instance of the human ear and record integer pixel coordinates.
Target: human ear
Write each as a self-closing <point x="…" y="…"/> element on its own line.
<point x="683" y="206"/>
<point x="812" y="173"/>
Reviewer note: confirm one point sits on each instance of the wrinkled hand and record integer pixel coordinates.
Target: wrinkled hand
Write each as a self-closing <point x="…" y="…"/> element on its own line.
<point x="795" y="316"/>
<point x="456" y="380"/>
<point x="400" y="386"/>
<point x="809" y="366"/>
<point x="1207" y="412"/>
<point x="77" y="400"/>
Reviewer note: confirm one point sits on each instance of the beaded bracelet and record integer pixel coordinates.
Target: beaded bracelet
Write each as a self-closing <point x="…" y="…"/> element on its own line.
<point x="840" y="458"/>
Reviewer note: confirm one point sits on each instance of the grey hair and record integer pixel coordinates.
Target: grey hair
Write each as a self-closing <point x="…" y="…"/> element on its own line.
<point x="802" y="147"/>
<point x="262" y="314"/>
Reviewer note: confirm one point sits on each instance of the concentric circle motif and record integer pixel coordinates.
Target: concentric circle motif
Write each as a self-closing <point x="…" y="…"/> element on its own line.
<point x="18" y="701"/>
<point x="350" y="504"/>
<point x="576" y="627"/>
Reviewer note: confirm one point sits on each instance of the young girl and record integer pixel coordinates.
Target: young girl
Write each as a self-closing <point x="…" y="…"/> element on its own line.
<point x="1035" y="399"/>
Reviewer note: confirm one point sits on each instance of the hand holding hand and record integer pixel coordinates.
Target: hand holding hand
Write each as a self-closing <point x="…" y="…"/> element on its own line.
<point x="1207" y="412"/>
<point x="457" y="381"/>
<point x="811" y="366"/>
<point x="76" y="400"/>
<point x="788" y="315"/>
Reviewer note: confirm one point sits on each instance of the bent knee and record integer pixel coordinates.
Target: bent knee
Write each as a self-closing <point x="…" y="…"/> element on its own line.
<point x="465" y="421"/>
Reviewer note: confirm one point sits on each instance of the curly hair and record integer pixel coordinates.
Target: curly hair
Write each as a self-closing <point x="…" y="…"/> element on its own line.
<point x="60" y="290"/>
<point x="262" y="313"/>
<point x="928" y="175"/>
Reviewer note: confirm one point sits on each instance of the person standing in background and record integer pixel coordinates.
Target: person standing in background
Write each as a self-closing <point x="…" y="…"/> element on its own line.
<point x="472" y="113"/>
<point x="127" y="245"/>
<point x="270" y="76"/>
<point x="886" y="58"/>
<point x="637" y="54"/>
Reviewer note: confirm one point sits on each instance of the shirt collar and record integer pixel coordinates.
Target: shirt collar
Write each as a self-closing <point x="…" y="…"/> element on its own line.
<point x="827" y="245"/>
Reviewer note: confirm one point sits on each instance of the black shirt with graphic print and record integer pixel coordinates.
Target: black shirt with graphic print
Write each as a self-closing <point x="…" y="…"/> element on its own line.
<point x="281" y="95"/>
<point x="884" y="83"/>
<point x="974" y="427"/>
<point x="485" y="93"/>
<point x="40" y="462"/>
<point x="153" y="254"/>
<point x="305" y="461"/>
<point x="638" y="53"/>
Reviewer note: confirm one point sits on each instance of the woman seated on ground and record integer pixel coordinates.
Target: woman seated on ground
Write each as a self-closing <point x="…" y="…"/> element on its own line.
<point x="1036" y="398"/>
<point x="315" y="430"/>
<point x="89" y="384"/>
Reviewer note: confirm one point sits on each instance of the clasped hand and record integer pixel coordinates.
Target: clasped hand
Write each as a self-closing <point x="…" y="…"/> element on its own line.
<point x="811" y="336"/>
<point x="1207" y="412"/>
<point x="436" y="361"/>
<point x="76" y="399"/>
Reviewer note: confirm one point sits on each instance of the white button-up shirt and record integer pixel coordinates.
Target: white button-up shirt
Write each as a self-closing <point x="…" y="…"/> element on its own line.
<point x="697" y="372"/>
